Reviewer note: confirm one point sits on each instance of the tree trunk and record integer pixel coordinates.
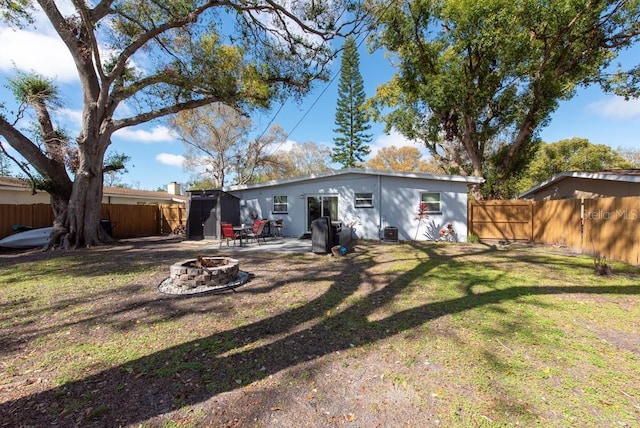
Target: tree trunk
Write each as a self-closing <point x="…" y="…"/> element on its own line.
<point x="77" y="222"/>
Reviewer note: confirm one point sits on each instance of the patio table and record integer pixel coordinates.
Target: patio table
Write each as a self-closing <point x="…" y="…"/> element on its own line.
<point x="242" y="232"/>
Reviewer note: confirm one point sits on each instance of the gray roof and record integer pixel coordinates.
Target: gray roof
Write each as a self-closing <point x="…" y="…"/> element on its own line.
<point x="623" y="175"/>
<point x="361" y="171"/>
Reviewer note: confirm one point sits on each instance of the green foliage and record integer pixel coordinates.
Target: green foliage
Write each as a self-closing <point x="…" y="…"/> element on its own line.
<point x="16" y="11"/>
<point x="33" y="88"/>
<point x="351" y="121"/>
<point x="574" y="154"/>
<point x="477" y="79"/>
<point x="115" y="166"/>
<point x="201" y="184"/>
<point x="625" y="83"/>
<point x="5" y="166"/>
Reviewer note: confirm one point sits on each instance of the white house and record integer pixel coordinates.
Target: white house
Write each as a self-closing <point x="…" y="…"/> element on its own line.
<point x="368" y="200"/>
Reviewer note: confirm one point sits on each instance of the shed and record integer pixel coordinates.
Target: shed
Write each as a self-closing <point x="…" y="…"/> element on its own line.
<point x="206" y="209"/>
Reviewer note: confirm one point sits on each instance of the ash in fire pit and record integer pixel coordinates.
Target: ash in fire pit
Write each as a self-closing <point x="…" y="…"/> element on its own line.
<point x="203" y="274"/>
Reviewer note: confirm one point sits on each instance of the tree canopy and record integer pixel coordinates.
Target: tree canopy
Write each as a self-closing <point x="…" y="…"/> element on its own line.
<point x="218" y="147"/>
<point x="139" y="61"/>
<point x="478" y="79"/>
<point x="298" y="160"/>
<point x="573" y="154"/>
<point x="404" y="158"/>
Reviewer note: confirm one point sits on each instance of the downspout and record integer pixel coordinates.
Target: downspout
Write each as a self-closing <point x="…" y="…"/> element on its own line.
<point x="380" y="220"/>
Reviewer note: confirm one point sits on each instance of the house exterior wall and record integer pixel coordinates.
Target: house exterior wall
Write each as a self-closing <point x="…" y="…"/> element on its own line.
<point x="395" y="203"/>
<point x="19" y="195"/>
<point x="22" y="196"/>
<point x="401" y="197"/>
<point x="577" y="188"/>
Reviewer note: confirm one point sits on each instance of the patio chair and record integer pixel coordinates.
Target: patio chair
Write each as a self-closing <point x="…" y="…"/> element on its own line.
<point x="258" y="233"/>
<point x="228" y="234"/>
<point x="278" y="226"/>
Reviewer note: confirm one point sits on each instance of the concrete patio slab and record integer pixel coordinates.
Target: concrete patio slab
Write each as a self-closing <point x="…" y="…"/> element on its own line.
<point x="273" y="245"/>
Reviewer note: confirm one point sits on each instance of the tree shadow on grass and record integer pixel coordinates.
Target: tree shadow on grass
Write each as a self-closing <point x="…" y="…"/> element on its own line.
<point x="198" y="370"/>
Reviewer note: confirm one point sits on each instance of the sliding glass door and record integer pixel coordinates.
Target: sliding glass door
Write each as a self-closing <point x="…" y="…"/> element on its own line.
<point x="321" y="206"/>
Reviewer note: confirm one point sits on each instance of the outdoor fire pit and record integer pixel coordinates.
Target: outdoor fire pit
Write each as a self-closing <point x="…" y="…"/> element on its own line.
<point x="203" y="274"/>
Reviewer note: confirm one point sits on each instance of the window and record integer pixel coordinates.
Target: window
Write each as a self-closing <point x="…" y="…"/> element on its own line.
<point x="280" y="204"/>
<point x="363" y="200"/>
<point x="432" y="199"/>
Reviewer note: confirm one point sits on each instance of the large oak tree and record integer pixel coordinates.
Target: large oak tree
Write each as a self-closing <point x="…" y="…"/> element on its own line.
<point x="477" y="79"/>
<point x="142" y="60"/>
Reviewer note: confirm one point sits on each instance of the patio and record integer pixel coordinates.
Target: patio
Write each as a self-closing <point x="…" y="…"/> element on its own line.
<point x="272" y="245"/>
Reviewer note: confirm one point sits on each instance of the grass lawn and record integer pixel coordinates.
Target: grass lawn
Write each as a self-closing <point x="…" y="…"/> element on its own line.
<point x="413" y="334"/>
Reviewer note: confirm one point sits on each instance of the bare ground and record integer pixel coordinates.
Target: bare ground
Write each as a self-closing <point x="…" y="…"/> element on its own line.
<point x="280" y="351"/>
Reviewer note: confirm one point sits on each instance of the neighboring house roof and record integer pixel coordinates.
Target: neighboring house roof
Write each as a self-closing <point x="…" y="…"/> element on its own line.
<point x="11" y="183"/>
<point x="141" y="194"/>
<point x="363" y="171"/>
<point x="622" y="175"/>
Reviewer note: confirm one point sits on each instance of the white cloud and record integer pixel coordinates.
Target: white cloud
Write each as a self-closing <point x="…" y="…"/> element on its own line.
<point x="169" y="159"/>
<point x="72" y="115"/>
<point x="31" y="51"/>
<point x="394" y="138"/>
<point x="616" y="108"/>
<point x="154" y="135"/>
<point x="286" y="146"/>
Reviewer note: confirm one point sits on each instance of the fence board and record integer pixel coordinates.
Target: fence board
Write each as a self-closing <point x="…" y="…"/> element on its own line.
<point x="558" y="223"/>
<point x="171" y="216"/>
<point x="501" y="220"/>
<point x="127" y="221"/>
<point x="34" y="215"/>
<point x="612" y="228"/>
<point x="604" y="227"/>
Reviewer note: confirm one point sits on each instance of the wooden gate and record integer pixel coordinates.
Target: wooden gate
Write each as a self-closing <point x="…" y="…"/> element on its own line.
<point x="501" y="220"/>
<point x="604" y="227"/>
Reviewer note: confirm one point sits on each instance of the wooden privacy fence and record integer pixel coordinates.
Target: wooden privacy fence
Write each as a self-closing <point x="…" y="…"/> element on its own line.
<point x="606" y="227"/>
<point x="126" y="221"/>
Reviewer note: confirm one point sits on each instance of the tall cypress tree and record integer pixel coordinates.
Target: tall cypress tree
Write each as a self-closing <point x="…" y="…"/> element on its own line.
<point x="351" y="142"/>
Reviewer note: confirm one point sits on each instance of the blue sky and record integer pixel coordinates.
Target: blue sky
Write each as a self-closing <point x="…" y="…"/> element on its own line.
<point x="157" y="155"/>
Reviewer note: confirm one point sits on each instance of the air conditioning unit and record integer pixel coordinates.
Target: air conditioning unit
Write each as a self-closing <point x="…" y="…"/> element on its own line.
<point x="391" y="234"/>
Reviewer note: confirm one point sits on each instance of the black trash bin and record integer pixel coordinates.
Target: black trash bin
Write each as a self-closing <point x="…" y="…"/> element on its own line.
<point x="321" y="235"/>
<point x="106" y="226"/>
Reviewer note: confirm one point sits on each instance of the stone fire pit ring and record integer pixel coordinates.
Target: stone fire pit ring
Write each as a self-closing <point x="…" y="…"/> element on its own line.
<point x="203" y="274"/>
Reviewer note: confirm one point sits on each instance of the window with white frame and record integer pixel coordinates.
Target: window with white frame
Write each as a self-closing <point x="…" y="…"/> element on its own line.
<point x="280" y="204"/>
<point x="433" y="202"/>
<point x="363" y="200"/>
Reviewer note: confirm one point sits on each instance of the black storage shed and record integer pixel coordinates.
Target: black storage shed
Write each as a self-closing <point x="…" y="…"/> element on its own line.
<point x="206" y="209"/>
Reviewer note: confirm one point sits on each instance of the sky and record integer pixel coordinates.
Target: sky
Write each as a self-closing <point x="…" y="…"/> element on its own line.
<point x="157" y="155"/>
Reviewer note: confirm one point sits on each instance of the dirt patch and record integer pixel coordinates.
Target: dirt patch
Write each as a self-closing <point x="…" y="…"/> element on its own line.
<point x="309" y="340"/>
